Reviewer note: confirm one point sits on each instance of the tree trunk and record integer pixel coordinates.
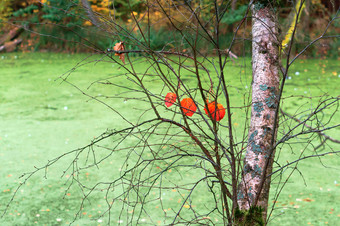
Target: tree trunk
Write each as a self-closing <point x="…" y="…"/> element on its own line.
<point x="10" y="46"/>
<point x="265" y="89"/>
<point x="15" y="32"/>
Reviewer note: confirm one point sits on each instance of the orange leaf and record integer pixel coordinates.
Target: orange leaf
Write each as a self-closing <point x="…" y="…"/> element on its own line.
<point x="308" y="200"/>
<point x="188" y="106"/>
<point x="170" y="99"/>
<point x="215" y="114"/>
<point x="120" y="47"/>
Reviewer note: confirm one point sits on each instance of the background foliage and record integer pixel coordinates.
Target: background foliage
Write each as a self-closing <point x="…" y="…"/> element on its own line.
<point x="67" y="21"/>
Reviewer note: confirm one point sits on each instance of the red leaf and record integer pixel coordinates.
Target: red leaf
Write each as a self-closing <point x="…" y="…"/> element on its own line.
<point x="120" y="47"/>
<point x="215" y="114"/>
<point x="170" y="99"/>
<point x="188" y="106"/>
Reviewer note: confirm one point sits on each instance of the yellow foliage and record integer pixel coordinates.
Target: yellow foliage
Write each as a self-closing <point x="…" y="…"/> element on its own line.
<point x="87" y="23"/>
<point x="105" y="3"/>
<point x="289" y="34"/>
<point x="5" y="10"/>
<point x="94" y="7"/>
<point x="100" y="6"/>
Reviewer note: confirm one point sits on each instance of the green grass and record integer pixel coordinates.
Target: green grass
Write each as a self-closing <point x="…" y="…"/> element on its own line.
<point x="42" y="118"/>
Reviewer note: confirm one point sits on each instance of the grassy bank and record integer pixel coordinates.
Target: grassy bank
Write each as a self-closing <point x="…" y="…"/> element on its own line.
<point x="43" y="117"/>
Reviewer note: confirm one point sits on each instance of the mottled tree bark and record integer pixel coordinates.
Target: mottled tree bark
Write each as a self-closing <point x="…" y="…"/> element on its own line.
<point x="265" y="88"/>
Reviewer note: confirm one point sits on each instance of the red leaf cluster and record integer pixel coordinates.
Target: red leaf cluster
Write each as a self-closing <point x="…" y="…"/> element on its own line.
<point x="217" y="111"/>
<point x="120" y="47"/>
<point x="170" y="99"/>
<point x="188" y="107"/>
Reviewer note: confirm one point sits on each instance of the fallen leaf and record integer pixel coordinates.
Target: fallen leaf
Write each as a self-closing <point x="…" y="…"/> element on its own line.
<point x="308" y="200"/>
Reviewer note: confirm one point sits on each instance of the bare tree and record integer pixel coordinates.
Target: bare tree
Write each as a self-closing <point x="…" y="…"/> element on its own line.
<point x="186" y="135"/>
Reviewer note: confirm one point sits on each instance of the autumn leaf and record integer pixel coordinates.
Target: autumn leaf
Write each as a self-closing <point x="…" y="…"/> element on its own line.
<point x="120" y="47"/>
<point x="215" y="114"/>
<point x="188" y="106"/>
<point x="170" y="99"/>
<point x="308" y="200"/>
